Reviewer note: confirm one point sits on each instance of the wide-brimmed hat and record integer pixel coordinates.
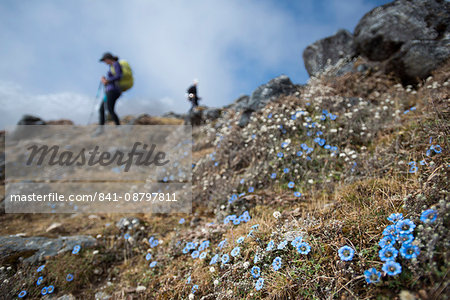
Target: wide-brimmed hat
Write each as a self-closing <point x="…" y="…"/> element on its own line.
<point x="108" y="55"/>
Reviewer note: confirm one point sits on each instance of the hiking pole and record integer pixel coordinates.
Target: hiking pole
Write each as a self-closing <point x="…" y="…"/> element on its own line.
<point x="95" y="101"/>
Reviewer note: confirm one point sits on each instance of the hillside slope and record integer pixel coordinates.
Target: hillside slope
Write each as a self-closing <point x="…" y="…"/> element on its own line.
<point x="311" y="172"/>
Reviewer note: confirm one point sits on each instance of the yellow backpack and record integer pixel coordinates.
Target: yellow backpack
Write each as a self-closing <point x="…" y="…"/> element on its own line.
<point x="126" y="82"/>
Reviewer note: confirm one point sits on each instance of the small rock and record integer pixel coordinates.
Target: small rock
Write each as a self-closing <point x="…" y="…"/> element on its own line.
<point x="55" y="227"/>
<point x="102" y="296"/>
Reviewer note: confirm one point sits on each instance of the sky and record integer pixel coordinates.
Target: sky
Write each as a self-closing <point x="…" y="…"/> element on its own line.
<point x="50" y="50"/>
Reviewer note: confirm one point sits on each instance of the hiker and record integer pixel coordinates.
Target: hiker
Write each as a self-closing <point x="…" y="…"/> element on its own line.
<point x="112" y="89"/>
<point x="192" y="94"/>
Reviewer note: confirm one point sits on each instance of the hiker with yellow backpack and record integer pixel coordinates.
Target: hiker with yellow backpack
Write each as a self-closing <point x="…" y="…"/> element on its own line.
<point x="118" y="79"/>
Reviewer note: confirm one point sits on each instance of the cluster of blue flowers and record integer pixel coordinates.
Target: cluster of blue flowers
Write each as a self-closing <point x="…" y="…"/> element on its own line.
<point x="435" y="148"/>
<point x="398" y="239"/>
<point x="244" y="217"/>
<point x="199" y="252"/>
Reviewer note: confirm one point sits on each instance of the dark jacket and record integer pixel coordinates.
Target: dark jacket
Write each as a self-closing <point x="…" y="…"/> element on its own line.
<point x="113" y="79"/>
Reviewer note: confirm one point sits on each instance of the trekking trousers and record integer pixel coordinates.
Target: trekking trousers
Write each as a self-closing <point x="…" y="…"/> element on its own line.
<point x="111" y="98"/>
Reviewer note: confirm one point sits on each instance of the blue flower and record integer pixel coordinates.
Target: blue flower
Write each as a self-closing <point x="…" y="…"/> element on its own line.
<point x="303" y="248"/>
<point x="203" y="245"/>
<point x="297" y="194"/>
<point x="44" y="291"/>
<point x="256" y="258"/>
<point x="395" y="217"/>
<point x="388" y="253"/>
<point x="409" y="251"/>
<point x="387" y="241"/>
<point x="242" y="181"/>
<point x="405" y="226"/>
<point x="284" y="145"/>
<point x="259" y="284"/>
<point x="235" y="252"/>
<point x="153" y="264"/>
<point x="293" y="117"/>
<point x="50" y="289"/>
<point x="273" y="175"/>
<point x="154" y="243"/>
<point x="291" y="185"/>
<point x="202" y="255"/>
<point x="40" y="268"/>
<point x="148" y="256"/>
<point x="296" y="241"/>
<point x="185" y="250"/>
<point x="76" y="249"/>
<point x="236" y="221"/>
<point x="225" y="258"/>
<point x="256" y="271"/>
<point x="390" y="230"/>
<point x="346" y="253"/>
<point x="372" y="275"/>
<point x="188" y="280"/>
<point x="222" y="244"/>
<point x="332" y="117"/>
<point x="428" y="216"/>
<point x="413" y="169"/>
<point x="269" y="116"/>
<point x="181" y="221"/>
<point x="39" y="281"/>
<point x="405" y="238"/>
<point x="251" y="189"/>
<point x="280" y="154"/>
<point x="392" y="268"/>
<point x="69" y="277"/>
<point x="299" y="153"/>
<point x="286" y="170"/>
<point x="195" y="254"/>
<point x="22" y="294"/>
<point x="276" y="264"/>
<point x="270" y="246"/>
<point x="194" y="289"/>
<point x="282" y="245"/>
<point x="214" y="259"/>
<point x="240" y="240"/>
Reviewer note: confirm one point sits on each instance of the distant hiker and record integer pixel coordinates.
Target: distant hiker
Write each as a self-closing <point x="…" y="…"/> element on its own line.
<point x="118" y="79"/>
<point x="192" y="94"/>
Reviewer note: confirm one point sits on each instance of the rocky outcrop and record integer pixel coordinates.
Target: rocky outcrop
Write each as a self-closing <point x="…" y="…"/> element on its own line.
<point x="416" y="59"/>
<point x="265" y="93"/>
<point x="409" y="38"/>
<point x="328" y="51"/>
<point x="35" y="249"/>
<point x="383" y="31"/>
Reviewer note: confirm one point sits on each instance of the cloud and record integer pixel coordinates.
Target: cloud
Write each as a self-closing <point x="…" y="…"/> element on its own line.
<point x="232" y="46"/>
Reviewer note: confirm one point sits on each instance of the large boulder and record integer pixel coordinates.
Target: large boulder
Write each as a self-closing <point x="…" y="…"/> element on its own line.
<point x="416" y="59"/>
<point x="328" y="51"/>
<point x="239" y="104"/>
<point x="265" y="93"/>
<point x="383" y="31"/>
